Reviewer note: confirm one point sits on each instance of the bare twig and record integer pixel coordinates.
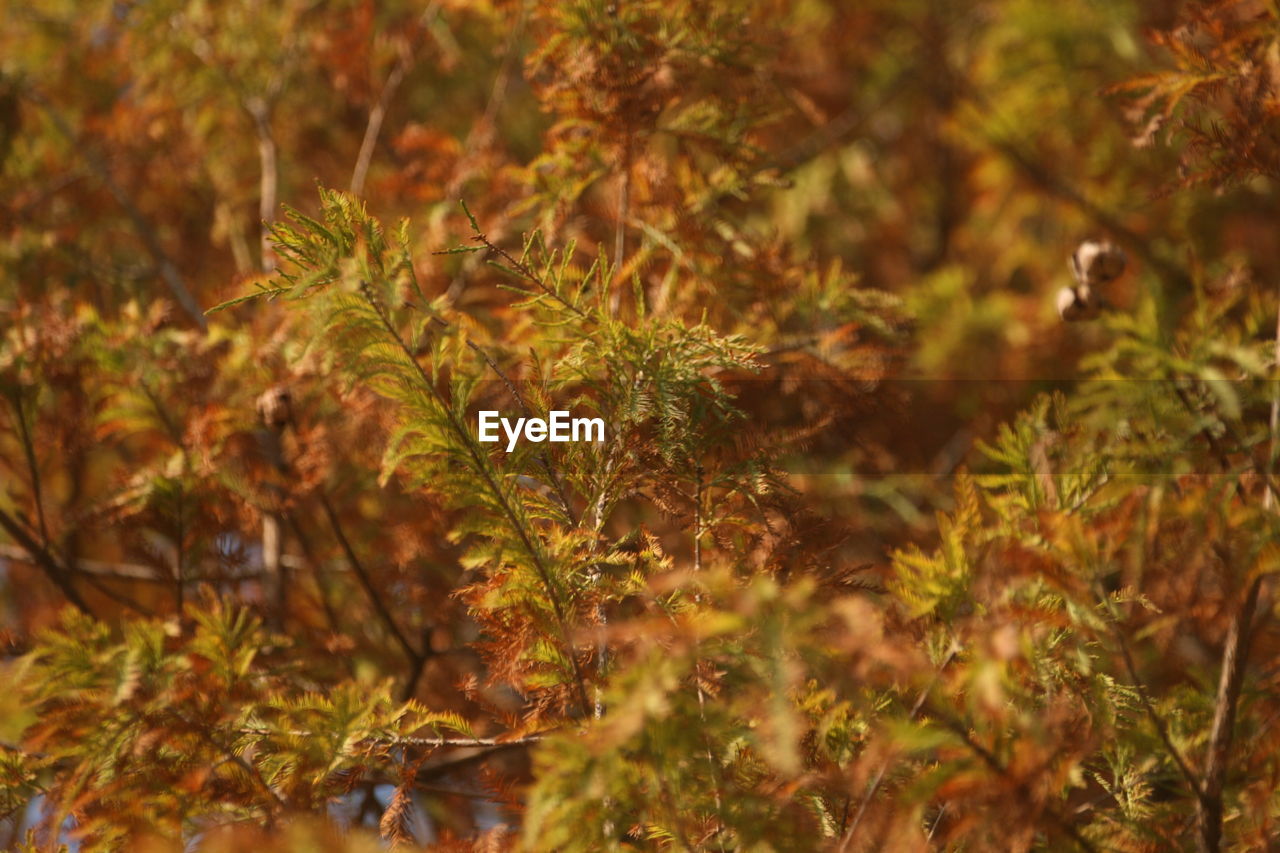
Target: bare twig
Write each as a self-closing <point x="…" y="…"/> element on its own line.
<point x="416" y="741"/>
<point x="526" y="272"/>
<point x="415" y="657"/>
<point x="1235" y="655"/>
<point x="322" y="583"/>
<point x="29" y="451"/>
<point x="404" y="63"/>
<point x="1235" y="652"/>
<point x="259" y="110"/>
<point x="137" y="572"/>
<point x="1273" y="424"/>
<point x="447" y="766"/>
<point x="620" y="231"/>
<point x="57" y="574"/>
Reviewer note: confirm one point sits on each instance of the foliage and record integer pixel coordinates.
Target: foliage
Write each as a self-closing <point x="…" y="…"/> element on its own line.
<point x="877" y="552"/>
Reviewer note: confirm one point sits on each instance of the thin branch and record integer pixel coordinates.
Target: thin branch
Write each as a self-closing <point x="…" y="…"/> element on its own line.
<point x="478" y="136"/>
<point x="524" y="271"/>
<point x="937" y="821"/>
<point x="1144" y="698"/>
<point x="712" y="765"/>
<point x="268" y="183"/>
<point x="1235" y="652"/>
<point x="1235" y="656"/>
<point x="847" y="838"/>
<point x="1268" y="477"/>
<point x="138" y="572"/>
<point x="561" y="495"/>
<point x="447" y="766"/>
<point x="29" y="451"/>
<point x="1273" y="424"/>
<point x="421" y="742"/>
<point x="1051" y="182"/>
<point x="251" y="770"/>
<point x="992" y="762"/>
<point x="416" y="658"/>
<point x="57" y="574"/>
<point x="150" y="240"/>
<point x="122" y="600"/>
<point x="404" y="63"/>
<point x="322" y="583"/>
<point x="179" y="562"/>
<point x="481" y="131"/>
<point x="620" y="231"/>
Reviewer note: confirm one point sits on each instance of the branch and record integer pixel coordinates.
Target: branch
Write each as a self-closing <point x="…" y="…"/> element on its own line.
<point x="1273" y="424"/>
<point x="520" y="268"/>
<point x="847" y="838"/>
<point x="416" y="658"/>
<point x="1049" y="181"/>
<point x="1162" y="730"/>
<point x="499" y="495"/>
<point x="143" y="573"/>
<point x="407" y="740"/>
<point x="1000" y="770"/>
<point x="620" y="230"/>
<point x="1216" y="446"/>
<point x="322" y="583"/>
<point x="29" y="451"/>
<point x="260" y="111"/>
<point x="57" y="574"/>
<point x="1235" y="655"/>
<point x="376" y="115"/>
<point x="150" y="240"/>
<point x="444" y="768"/>
<point x="1157" y="722"/>
<point x="561" y="495"/>
<point x="251" y="770"/>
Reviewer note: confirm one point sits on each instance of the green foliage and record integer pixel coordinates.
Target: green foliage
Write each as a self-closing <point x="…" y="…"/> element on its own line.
<point x="183" y="726"/>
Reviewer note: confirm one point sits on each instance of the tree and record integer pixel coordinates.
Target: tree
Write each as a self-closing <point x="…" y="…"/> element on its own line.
<point x="877" y="551"/>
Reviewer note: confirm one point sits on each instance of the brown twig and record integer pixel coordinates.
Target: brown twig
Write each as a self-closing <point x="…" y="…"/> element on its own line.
<point x="29" y="451"/>
<point x="1235" y="655"/>
<point x="525" y="271"/>
<point x="561" y="494"/>
<point x="620" y="232"/>
<point x="404" y="63"/>
<point x="57" y="574"/>
<point x="322" y="583"/>
<point x="988" y="758"/>
<point x="259" y="110"/>
<point x="847" y="836"/>
<point x="415" y="657"/>
<point x="1273" y="424"/>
